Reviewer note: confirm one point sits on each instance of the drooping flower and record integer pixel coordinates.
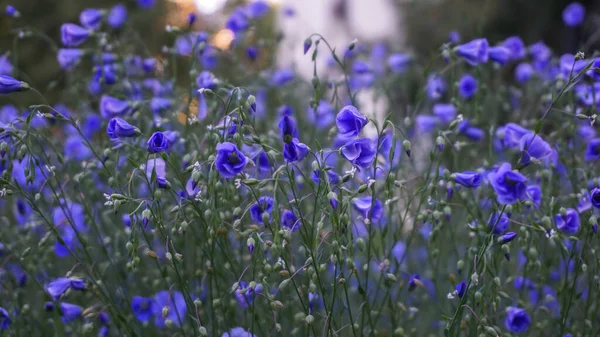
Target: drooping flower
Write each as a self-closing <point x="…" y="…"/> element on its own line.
<point x="176" y="309"/>
<point x="59" y="286"/>
<point x="509" y="185"/>
<point x="468" y="179"/>
<point x="70" y="312"/>
<point x="4" y="319"/>
<point x="287" y="128"/>
<point x="574" y="14"/>
<point x="467" y="86"/>
<point x="516" y="46"/>
<point x="568" y="223"/>
<point x="158" y="142"/>
<point x="461" y="289"/>
<point x="474" y="52"/>
<point x="360" y="152"/>
<point x="73" y="35"/>
<point x="499" y="225"/>
<point x="499" y="54"/>
<point x="517" y="320"/>
<point x="295" y="151"/>
<point x="91" y="18"/>
<point x="533" y="146"/>
<point x="263" y="205"/>
<point x="368" y="208"/>
<point x="508" y="237"/>
<point x="119" y="128"/>
<point x="9" y="85"/>
<point x="229" y="160"/>
<point x="112" y="107"/>
<point x="350" y="121"/>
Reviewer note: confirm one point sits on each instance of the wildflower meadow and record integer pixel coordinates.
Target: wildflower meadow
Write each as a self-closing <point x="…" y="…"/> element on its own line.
<point x="198" y="192"/>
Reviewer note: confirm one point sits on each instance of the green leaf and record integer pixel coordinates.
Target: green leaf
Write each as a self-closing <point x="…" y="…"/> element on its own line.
<point x="538" y="126"/>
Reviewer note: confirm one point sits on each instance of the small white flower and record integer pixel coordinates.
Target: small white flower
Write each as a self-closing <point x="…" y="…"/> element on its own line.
<point x="450" y="296"/>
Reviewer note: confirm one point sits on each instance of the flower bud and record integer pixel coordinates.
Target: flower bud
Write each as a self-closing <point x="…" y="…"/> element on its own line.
<point x="406" y="145"/>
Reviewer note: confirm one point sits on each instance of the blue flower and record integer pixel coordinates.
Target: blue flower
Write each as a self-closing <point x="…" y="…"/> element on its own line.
<point x="68" y="58"/>
<point x="252" y="53"/>
<point x="350" y="121"/>
<point x="117" y="16"/>
<point x="574" y="14"/>
<point x="158" y="142"/>
<point x="399" y="62"/>
<point x="111" y="107"/>
<point x="426" y="123"/>
<point x="244" y="295"/>
<point x="294" y="151"/>
<point x="595" y="196"/>
<point x="592" y="152"/>
<point x="118" y="128"/>
<point x="159" y="105"/>
<point x="238" y="21"/>
<point x="509" y="185"/>
<point x="12" y="11"/>
<point x="517" y="320"/>
<point x="471" y="132"/>
<point x="533" y="146"/>
<point x="70" y="311"/>
<point x="454" y="36"/>
<point x="323" y="116"/>
<point x="508" y="237"/>
<point x="499" y="54"/>
<point x="467" y="86"/>
<point x="445" y="112"/>
<point x="22" y="211"/>
<point x="73" y="35"/>
<point x="145" y="4"/>
<point x="76" y="148"/>
<point x="59" y="286"/>
<point x="287" y="129"/>
<point x="176" y="308"/>
<point x="474" y="52"/>
<point x="468" y="179"/>
<point x="238" y="332"/>
<point x="281" y="77"/>
<point x="516" y="47"/>
<point x="290" y="221"/>
<point x="534" y="194"/>
<point x="360" y="152"/>
<point x="513" y="134"/>
<point x="257" y="9"/>
<point x="9" y="85"/>
<point x="6" y="67"/>
<point x="206" y="80"/>
<point x="523" y="72"/>
<point x="263" y="205"/>
<point x="142" y="308"/>
<point x="229" y="161"/>
<point x="568" y="223"/>
<point x="436" y="87"/>
<point x="498" y="226"/>
<point x="461" y="289"/>
<point x="363" y="206"/>
<point x="91" y="18"/>
<point x="4" y="319"/>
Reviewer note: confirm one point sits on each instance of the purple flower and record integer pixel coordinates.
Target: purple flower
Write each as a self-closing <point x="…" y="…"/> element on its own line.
<point x="257" y="9"/>
<point x="498" y="225"/>
<point x="238" y="21"/>
<point x="238" y="332"/>
<point x="206" y="80"/>
<point x="461" y="289"/>
<point x="445" y="112"/>
<point x="436" y="87"/>
<point x="399" y="62"/>
<point x="290" y="221"/>
<point x="145" y="4"/>
<point x="91" y="18"/>
<point x="350" y="121"/>
<point x="281" y="77"/>
<point x="59" y="286"/>
<point x="467" y="86"/>
<point x="158" y="142"/>
<point x="513" y="134"/>
<point x="111" y="107"/>
<point x="574" y="14"/>
<point x="73" y="35"/>
<point x="471" y="132"/>
<point x="524" y="72"/>
<point x="263" y="205"/>
<point x="568" y="223"/>
<point x="9" y="85"/>
<point x="595" y="196"/>
<point x="287" y="129"/>
<point x="474" y="52"/>
<point x="454" y="36"/>
<point x="413" y="281"/>
<point x="142" y="308"/>
<point x="159" y="105"/>
<point x="468" y="179"/>
<point x="534" y="194"/>
<point x="4" y="319"/>
<point x="517" y="320"/>
<point x="540" y="52"/>
<point x="323" y="116"/>
<point x="244" y="295"/>
<point x="509" y="185"/>
<point x="294" y="151"/>
<point x="176" y="308"/>
<point x="360" y="152"/>
<point x="117" y="16"/>
<point x="516" y="47"/>
<point x="426" y="123"/>
<point x="500" y="54"/>
<point x="252" y="53"/>
<point x="368" y="208"/>
<point x="508" y="237"/>
<point x="592" y="152"/>
<point x="70" y="311"/>
<point x="119" y="128"/>
<point x="533" y="146"/>
<point x="68" y="58"/>
<point x="12" y="11"/>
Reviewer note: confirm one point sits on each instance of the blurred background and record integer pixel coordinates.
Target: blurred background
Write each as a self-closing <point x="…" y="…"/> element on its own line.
<point x="418" y="26"/>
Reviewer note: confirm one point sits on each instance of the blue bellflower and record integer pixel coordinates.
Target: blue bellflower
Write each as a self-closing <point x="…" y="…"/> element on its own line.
<point x="568" y="223"/>
<point x="509" y="185"/>
<point x="229" y="160"/>
<point x="360" y="152"/>
<point x="474" y="52"/>
<point x="517" y="320"/>
<point x="350" y="121"/>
